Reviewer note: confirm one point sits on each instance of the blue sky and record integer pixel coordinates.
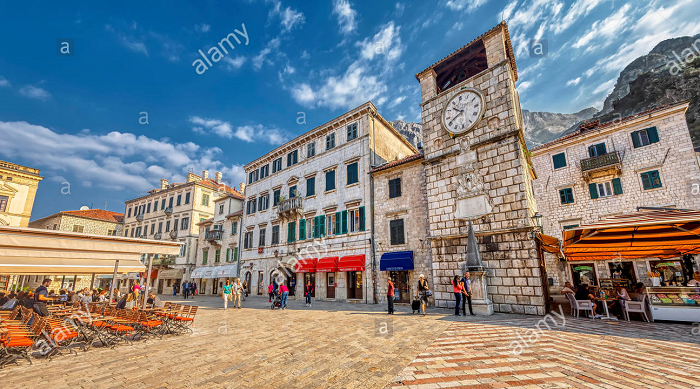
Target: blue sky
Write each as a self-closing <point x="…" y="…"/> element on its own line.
<point x="77" y="117"/>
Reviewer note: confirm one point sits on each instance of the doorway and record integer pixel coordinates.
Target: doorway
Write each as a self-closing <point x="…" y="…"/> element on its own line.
<point x="624" y="270"/>
<point x="583" y="273"/>
<point x="402" y="294"/>
<point x="355" y="285"/>
<point x="260" y="283"/>
<point x="160" y="286"/>
<point x="330" y="285"/>
<point x="215" y="286"/>
<point x="248" y="279"/>
<point x="291" y="283"/>
<point x="310" y="277"/>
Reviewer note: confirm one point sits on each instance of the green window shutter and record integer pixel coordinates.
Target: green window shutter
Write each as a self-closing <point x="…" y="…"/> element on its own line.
<point x="601" y="149"/>
<point x="635" y="139"/>
<point x="362" y="218"/>
<point x="322" y="226"/>
<point x="302" y="229"/>
<point x="646" y="181"/>
<point x="593" y="188"/>
<point x="653" y="134"/>
<point x="235" y="254"/>
<point x="345" y="221"/>
<point x="315" y="227"/>
<point x="291" y="229"/>
<point x="205" y="257"/>
<point x="228" y="255"/>
<point x="617" y="186"/>
<point x="337" y="223"/>
<point x="559" y="160"/>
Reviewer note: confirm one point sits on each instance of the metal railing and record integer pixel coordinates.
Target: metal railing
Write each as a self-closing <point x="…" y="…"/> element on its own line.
<point x="173" y="234"/>
<point x="139" y="217"/>
<point x="290" y="204"/>
<point x="168" y="211"/>
<point x="601" y="161"/>
<point x="157" y="235"/>
<point x="214" y="235"/>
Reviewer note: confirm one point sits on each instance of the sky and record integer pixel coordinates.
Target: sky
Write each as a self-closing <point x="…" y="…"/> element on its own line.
<point x="108" y="97"/>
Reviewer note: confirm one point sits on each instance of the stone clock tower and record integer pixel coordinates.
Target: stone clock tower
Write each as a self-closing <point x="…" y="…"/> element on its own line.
<point x="478" y="169"/>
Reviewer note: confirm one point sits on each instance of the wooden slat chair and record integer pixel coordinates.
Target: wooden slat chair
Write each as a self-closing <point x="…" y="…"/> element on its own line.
<point x="63" y="335"/>
<point x="150" y="326"/>
<point x="16" y="340"/>
<point x="186" y="318"/>
<point x="121" y="327"/>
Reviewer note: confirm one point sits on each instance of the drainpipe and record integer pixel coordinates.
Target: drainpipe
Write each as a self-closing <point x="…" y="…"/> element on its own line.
<point x="371" y="213"/>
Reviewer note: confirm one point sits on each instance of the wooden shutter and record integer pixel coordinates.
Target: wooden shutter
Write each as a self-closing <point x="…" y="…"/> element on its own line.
<point x="344" y="222"/>
<point x="653" y="134"/>
<point x="228" y="254"/>
<point x="635" y="139"/>
<point x="322" y="226"/>
<point x="646" y="181"/>
<point x="302" y="229"/>
<point x="617" y="186"/>
<point x="235" y="254"/>
<point x="362" y="218"/>
<point x="593" y="188"/>
<point x="559" y="160"/>
<point x="337" y="223"/>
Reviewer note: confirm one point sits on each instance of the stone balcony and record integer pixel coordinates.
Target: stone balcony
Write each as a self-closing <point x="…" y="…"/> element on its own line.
<point x="215" y="236"/>
<point x="290" y="208"/>
<point x="601" y="165"/>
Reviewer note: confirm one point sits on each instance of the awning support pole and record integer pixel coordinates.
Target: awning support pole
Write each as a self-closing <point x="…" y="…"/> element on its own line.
<point x="22" y="286"/>
<point x="63" y="281"/>
<point x="92" y="281"/>
<point x="114" y="280"/>
<point x="148" y="280"/>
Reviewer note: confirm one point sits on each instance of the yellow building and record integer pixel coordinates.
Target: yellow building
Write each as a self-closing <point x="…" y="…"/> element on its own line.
<point x="18" y="185"/>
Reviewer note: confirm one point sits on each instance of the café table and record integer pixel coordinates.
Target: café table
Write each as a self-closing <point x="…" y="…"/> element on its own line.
<point x="605" y="305"/>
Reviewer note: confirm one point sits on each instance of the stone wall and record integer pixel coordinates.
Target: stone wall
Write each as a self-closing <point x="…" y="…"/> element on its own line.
<point x="90" y="226"/>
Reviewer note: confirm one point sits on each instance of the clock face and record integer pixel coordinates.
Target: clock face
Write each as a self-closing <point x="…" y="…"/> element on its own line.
<point x="463" y="111"/>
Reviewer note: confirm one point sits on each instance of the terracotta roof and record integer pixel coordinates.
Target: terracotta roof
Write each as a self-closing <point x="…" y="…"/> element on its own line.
<point x="206" y="221"/>
<point x="98" y="214"/>
<point x="239" y="213"/>
<point x="398" y="162"/>
<point x="586" y="130"/>
<point x="217" y="186"/>
<point x="509" y="49"/>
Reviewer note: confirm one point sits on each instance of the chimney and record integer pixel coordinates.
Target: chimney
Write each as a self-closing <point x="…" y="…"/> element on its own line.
<point x="163" y="183"/>
<point x="205" y="174"/>
<point x="218" y="177"/>
<point x="242" y="188"/>
<point x="191" y="177"/>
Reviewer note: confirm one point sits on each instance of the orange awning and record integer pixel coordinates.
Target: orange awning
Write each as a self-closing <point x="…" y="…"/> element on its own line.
<point x="549" y="244"/>
<point x="656" y="233"/>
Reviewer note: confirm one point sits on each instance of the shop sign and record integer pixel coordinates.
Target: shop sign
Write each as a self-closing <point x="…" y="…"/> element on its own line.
<point x="583" y="268"/>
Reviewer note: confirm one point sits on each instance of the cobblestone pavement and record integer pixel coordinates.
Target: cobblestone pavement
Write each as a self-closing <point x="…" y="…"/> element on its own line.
<point x="575" y="353"/>
<point x="341" y="345"/>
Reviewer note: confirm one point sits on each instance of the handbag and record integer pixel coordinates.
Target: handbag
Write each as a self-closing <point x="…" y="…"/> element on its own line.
<point x="428" y="293"/>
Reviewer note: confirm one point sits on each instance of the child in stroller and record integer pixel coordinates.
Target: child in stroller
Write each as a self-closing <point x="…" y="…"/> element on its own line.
<point x="276" y="300"/>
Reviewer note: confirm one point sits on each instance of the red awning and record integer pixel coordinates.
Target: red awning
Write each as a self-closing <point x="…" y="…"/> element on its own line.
<point x="352" y="263"/>
<point x="154" y="274"/>
<point x="307" y="265"/>
<point x="327" y="265"/>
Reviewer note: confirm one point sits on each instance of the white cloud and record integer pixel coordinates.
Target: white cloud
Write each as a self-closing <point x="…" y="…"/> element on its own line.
<point x="202" y="27"/>
<point x="133" y="44"/>
<point x="574" y="81"/>
<point x="346" y="16"/>
<point x="606" y="28"/>
<point x="303" y="94"/>
<point x="397" y="101"/>
<point x="234" y="63"/>
<point x="218" y="127"/>
<point x="605" y="87"/>
<point x="247" y="133"/>
<point x="467" y="5"/>
<point x="4" y="83"/>
<point x="34" y="92"/>
<point x="399" y="9"/>
<point x="386" y="42"/>
<point x="579" y="9"/>
<point x="289" y="18"/>
<point x="523" y="86"/>
<point x="508" y="10"/>
<point x="261" y="58"/>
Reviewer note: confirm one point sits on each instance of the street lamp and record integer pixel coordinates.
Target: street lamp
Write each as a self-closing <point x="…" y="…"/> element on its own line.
<point x="537" y="221"/>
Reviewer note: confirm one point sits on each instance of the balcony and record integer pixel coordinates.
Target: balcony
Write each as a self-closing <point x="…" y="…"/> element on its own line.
<point x="290" y="208"/>
<point x="601" y="165"/>
<point x="139" y="217"/>
<point x="157" y="236"/>
<point x="173" y="234"/>
<point x="168" y="211"/>
<point x="164" y="261"/>
<point x="214" y="236"/>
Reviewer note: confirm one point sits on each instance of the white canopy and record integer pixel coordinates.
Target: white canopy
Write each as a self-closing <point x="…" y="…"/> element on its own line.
<point x="38" y="251"/>
<point x="226" y="271"/>
<point x="170" y="273"/>
<point x="210" y="272"/>
<point x="197" y="273"/>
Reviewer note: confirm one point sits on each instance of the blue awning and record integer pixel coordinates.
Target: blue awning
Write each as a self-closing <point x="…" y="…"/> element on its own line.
<point x="396" y="261"/>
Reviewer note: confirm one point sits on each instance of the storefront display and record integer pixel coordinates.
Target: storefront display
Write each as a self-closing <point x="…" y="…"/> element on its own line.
<point x="671" y="272"/>
<point x="583" y="274"/>
<point x="675" y="303"/>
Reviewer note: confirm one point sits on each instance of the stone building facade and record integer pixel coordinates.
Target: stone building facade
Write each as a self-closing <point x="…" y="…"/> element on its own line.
<point x="483" y="175"/>
<point x="173" y="212"/>
<point x="307" y="211"/>
<point x="606" y="169"/>
<point x="400" y="233"/>
<point x="88" y="221"/>
<point x="217" y="246"/>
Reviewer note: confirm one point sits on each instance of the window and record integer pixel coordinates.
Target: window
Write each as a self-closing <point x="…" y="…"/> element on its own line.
<point x="217" y="256"/>
<point x="148" y="208"/>
<point x="264" y="202"/>
<point x="570" y="226"/>
<point x="187" y="198"/>
<point x="352" y="174"/>
<point x="352" y="131"/>
<point x="396" y="231"/>
<point x="205" y="199"/>
<point x="170" y="202"/>
<point x="183" y="250"/>
<point x="330" y="180"/>
<point x="291" y="232"/>
<point x="276" y="197"/>
<point x="175" y="224"/>
<point x="235" y="254"/>
<point x="275" y="235"/>
<point x="645" y="137"/>
<point x="179" y="200"/>
<point x="205" y="256"/>
<point x="185" y="223"/>
<point x="566" y="196"/>
<point x="221" y="209"/>
<point x="248" y="240"/>
<point x="167" y="226"/>
<point x="250" y="207"/>
<point x="395" y="188"/>
<point x="160" y="227"/>
<point x="310" y="228"/>
<point x="264" y="171"/>
<point x="234" y="228"/>
<point x="559" y="160"/>
<point x="651" y="180"/>
<point x="292" y="191"/>
<point x="330" y="224"/>
<point x="292" y="158"/>
<point x="310" y="149"/>
<point x="155" y="205"/>
<point x="253" y="176"/>
<point x="330" y="141"/>
<point x="138" y="231"/>
<point x="5" y="199"/>
<point x="126" y="232"/>
<point x="79" y="228"/>
<point x="277" y="165"/>
<point x="128" y="212"/>
<point x="162" y="204"/>
<point x="310" y="186"/>
<point x="354" y="220"/>
<point x="153" y="228"/>
<point x="605" y="189"/>
<point x="261" y="240"/>
<point x="132" y="232"/>
<point x="596" y="150"/>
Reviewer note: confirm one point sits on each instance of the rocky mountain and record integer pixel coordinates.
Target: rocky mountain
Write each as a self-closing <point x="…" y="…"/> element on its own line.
<point x="410" y="130"/>
<point x="542" y="127"/>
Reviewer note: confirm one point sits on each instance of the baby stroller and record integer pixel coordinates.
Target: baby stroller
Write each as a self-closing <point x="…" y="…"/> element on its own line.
<point x="277" y="302"/>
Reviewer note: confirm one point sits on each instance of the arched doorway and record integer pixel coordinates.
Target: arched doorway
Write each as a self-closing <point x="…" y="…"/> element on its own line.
<point x="248" y="280"/>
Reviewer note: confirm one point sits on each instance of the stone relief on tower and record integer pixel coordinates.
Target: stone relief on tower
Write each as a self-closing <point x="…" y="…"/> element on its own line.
<point x="472" y="200"/>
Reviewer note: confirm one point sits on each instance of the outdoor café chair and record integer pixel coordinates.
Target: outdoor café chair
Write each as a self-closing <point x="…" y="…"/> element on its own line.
<point x="636" y="307"/>
<point x="579" y="305"/>
<point x="186" y="318"/>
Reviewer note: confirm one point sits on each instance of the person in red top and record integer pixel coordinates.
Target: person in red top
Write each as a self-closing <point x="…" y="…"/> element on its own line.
<point x="390" y="297"/>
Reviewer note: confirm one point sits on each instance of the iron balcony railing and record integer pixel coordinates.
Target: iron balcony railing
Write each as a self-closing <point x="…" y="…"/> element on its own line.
<point x="601" y="161"/>
<point x="157" y="235"/>
<point x="164" y="261"/>
<point x="290" y="205"/>
<point x="139" y="217"/>
<point x="173" y="234"/>
<point x="168" y="211"/>
<point x="214" y="235"/>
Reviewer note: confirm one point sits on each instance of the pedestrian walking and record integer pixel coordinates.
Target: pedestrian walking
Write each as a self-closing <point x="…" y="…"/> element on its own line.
<point x="226" y="293"/>
<point x="270" y="292"/>
<point x="185" y="289"/>
<point x="285" y="294"/>
<point x="466" y="294"/>
<point x="308" y="291"/>
<point x="245" y="290"/>
<point x="193" y="289"/>
<point x="423" y="291"/>
<point x="237" y="291"/>
<point x="457" y="289"/>
<point x="390" y="296"/>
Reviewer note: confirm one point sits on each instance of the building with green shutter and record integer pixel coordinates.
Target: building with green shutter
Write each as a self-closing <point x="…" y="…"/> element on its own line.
<point x="605" y="169"/>
<point x="307" y="213"/>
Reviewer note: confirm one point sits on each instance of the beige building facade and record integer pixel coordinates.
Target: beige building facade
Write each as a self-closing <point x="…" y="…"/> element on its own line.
<point x="480" y="172"/>
<point x="307" y="211"/>
<point x="606" y="169"/>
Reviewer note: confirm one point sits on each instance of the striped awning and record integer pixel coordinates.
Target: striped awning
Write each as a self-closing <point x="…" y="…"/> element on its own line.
<point x="648" y="233"/>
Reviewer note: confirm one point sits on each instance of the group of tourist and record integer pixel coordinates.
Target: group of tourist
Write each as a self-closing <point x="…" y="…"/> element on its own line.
<point x="282" y="291"/>
<point x="620" y="295"/>
<point x="233" y="292"/>
<point x="422" y="294"/>
<point x="189" y="288"/>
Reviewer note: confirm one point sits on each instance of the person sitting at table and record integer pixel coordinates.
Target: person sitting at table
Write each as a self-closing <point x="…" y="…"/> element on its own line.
<point x="131" y="300"/>
<point x="28" y="300"/>
<point x="102" y="297"/>
<point x="583" y="293"/>
<point x="87" y="298"/>
<point x="74" y="297"/>
<point x="622" y="295"/>
<point x="10" y="303"/>
<point x="3" y="298"/>
<point x="568" y="288"/>
<point x="121" y="304"/>
<point x="64" y="296"/>
<point x="696" y="279"/>
<point x="154" y="301"/>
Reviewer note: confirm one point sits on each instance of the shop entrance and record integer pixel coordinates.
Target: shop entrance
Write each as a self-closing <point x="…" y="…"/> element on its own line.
<point x="248" y="279"/>
<point x="202" y="287"/>
<point x="260" y="283"/>
<point x="355" y="285"/>
<point x="310" y="277"/>
<point x="402" y="294"/>
<point x="291" y="283"/>
<point x="623" y="270"/>
<point x="330" y="285"/>
<point x="583" y="273"/>
<point x="215" y="286"/>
